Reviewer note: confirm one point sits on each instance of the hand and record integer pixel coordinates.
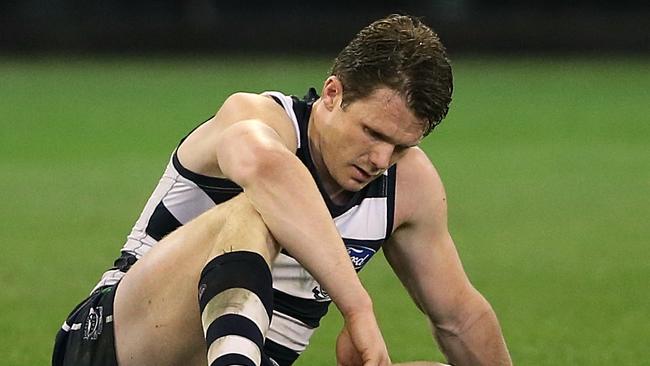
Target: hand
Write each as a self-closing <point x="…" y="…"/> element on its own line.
<point x="346" y="354"/>
<point x="360" y="343"/>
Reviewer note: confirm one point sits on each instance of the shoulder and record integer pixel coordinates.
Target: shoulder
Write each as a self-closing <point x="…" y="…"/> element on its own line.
<point x="241" y="115"/>
<point x="270" y="108"/>
<point x="420" y="194"/>
<point x="243" y="103"/>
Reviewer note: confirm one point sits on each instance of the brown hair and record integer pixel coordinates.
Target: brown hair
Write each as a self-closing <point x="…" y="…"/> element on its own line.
<point x="403" y="54"/>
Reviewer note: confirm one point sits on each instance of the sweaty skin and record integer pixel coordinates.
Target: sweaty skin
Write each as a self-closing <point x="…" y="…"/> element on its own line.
<point x="252" y="142"/>
<point x="358" y="143"/>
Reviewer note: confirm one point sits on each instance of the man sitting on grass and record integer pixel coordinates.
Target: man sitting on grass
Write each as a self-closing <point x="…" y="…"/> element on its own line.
<point x="267" y="210"/>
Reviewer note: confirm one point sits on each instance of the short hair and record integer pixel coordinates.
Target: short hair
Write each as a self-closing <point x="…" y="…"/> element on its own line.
<point x="403" y="54"/>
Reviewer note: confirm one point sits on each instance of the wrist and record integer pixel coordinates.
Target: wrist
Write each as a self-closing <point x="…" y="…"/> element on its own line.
<point x="358" y="307"/>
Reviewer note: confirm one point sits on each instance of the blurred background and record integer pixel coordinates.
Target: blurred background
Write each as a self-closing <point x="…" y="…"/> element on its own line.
<point x="545" y="154"/>
<point x="316" y="27"/>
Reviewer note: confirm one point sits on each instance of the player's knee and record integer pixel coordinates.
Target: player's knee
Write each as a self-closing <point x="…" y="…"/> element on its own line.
<point x="245" y="230"/>
<point x="244" y="214"/>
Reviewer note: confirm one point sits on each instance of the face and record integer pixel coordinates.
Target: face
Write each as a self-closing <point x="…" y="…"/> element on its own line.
<point x="354" y="145"/>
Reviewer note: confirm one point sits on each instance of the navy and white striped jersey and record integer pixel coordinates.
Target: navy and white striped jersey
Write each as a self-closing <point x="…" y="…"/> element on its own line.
<point x="364" y="223"/>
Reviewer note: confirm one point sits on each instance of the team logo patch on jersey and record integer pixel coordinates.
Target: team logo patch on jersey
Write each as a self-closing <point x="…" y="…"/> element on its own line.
<point x="320" y="294"/>
<point x="94" y="323"/>
<point x="359" y="255"/>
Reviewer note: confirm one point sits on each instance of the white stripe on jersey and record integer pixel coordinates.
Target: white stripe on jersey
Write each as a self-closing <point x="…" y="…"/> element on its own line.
<point x="291" y="278"/>
<point x="137" y="237"/>
<point x="289" y="332"/>
<point x="287" y="104"/>
<point x="367" y="221"/>
<point x="183" y="191"/>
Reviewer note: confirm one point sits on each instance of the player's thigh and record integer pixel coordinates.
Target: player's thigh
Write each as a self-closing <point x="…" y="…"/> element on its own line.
<point x="157" y="300"/>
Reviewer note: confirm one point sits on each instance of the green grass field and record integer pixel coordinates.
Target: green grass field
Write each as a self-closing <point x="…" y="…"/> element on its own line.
<point x="546" y="163"/>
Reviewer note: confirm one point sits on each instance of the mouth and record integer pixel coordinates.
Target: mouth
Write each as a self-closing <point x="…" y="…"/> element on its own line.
<point x="361" y="175"/>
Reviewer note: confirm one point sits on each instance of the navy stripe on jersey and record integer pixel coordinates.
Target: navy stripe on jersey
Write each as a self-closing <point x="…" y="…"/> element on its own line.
<point x="162" y="222"/>
<point x="277" y="100"/>
<point x="377" y="188"/>
<point x="372" y="244"/>
<point x="280" y="354"/>
<point x="218" y="189"/>
<point x="307" y="311"/>
<point x="302" y="108"/>
<point x="204" y="181"/>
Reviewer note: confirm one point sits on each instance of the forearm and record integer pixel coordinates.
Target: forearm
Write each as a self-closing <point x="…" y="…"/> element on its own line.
<point x="478" y="342"/>
<point x="280" y="187"/>
<point x="285" y="195"/>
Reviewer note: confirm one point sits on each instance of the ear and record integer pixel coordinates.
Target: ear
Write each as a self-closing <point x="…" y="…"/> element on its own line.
<point x="332" y="95"/>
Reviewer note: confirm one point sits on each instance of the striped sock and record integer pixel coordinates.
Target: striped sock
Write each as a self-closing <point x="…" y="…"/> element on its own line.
<point x="236" y="299"/>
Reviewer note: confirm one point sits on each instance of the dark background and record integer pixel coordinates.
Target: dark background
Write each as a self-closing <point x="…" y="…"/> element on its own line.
<point x="292" y="27"/>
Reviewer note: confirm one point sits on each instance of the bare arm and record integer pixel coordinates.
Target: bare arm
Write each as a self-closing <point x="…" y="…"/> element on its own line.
<point x="251" y="141"/>
<point x="423" y="255"/>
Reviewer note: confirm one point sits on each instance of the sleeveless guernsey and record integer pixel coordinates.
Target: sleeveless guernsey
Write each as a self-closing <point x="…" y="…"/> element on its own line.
<point x="364" y="223"/>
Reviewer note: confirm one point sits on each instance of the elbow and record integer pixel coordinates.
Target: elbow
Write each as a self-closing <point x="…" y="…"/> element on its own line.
<point x="462" y="316"/>
<point x="259" y="166"/>
<point x="249" y="157"/>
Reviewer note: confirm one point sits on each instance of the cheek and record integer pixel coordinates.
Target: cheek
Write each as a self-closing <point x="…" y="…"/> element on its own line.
<point x="347" y="146"/>
<point x="333" y="155"/>
<point x="359" y="144"/>
<point x="342" y="146"/>
<point x="340" y="154"/>
<point x="352" y="151"/>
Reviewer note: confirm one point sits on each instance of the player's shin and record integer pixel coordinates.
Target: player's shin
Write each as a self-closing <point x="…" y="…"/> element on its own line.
<point x="236" y="297"/>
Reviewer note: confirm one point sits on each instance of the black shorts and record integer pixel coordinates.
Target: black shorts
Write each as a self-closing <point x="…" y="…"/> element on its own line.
<point x="87" y="338"/>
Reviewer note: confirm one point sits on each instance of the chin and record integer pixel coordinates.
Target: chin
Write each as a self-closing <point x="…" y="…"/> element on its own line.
<point x="354" y="186"/>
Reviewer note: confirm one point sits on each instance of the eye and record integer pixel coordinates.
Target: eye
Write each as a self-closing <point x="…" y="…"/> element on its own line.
<point x="373" y="134"/>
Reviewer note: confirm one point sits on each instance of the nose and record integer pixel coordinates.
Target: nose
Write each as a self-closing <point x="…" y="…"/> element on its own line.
<point x="381" y="155"/>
